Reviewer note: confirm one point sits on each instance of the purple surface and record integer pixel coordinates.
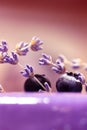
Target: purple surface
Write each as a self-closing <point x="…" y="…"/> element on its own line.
<point x="42" y="111"/>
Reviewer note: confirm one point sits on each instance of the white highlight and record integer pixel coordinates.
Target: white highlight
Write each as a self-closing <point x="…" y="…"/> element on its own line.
<point x="19" y="100"/>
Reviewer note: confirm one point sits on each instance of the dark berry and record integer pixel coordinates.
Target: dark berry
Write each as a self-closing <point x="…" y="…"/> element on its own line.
<point x="31" y="85"/>
<point x="68" y="82"/>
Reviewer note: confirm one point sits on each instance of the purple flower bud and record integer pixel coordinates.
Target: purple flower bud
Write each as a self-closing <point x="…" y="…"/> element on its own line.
<point x="3" y="46"/>
<point x="80" y="77"/>
<point x="45" y="60"/>
<point x="22" y="48"/>
<point x="48" y="89"/>
<point x="76" y="63"/>
<point x="2" y="57"/>
<point x="13" y="59"/>
<point x="59" y="67"/>
<point x="35" y="44"/>
<point x="62" y="58"/>
<point x="28" y="71"/>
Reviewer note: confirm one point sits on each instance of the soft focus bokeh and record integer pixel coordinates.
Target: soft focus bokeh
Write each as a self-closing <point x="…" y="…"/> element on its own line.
<point x="61" y="24"/>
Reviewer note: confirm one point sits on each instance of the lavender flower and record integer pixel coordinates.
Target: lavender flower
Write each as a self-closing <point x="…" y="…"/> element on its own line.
<point x="3" y="46"/>
<point x="59" y="67"/>
<point x="76" y="63"/>
<point x="62" y="58"/>
<point x="80" y="77"/>
<point x="48" y="89"/>
<point x="3" y="55"/>
<point x="22" y="48"/>
<point x="28" y="71"/>
<point x="13" y="59"/>
<point x="45" y="60"/>
<point x="35" y="44"/>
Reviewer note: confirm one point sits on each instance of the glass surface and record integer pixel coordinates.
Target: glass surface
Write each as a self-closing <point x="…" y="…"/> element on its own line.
<point x="42" y="111"/>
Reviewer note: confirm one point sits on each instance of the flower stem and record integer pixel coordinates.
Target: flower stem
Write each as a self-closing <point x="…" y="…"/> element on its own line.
<point x="34" y="78"/>
<point x="20" y="65"/>
<point x="40" y="83"/>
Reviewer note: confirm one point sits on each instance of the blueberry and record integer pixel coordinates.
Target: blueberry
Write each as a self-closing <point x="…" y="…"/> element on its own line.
<point x="69" y="82"/>
<point x="31" y="85"/>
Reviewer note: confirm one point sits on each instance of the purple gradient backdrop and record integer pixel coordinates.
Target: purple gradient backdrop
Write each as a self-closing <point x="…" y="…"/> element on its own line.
<point x="62" y="25"/>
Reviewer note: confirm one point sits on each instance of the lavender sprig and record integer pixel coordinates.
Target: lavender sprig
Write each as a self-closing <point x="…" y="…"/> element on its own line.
<point x="3" y="51"/>
<point x="76" y="63"/>
<point x="45" y="59"/>
<point x="80" y="77"/>
<point x="3" y="56"/>
<point x="3" y="46"/>
<point x="48" y="89"/>
<point x="35" y="44"/>
<point x="58" y="67"/>
<point x="62" y="58"/>
<point x="22" y="48"/>
<point x="13" y="59"/>
<point x="28" y="71"/>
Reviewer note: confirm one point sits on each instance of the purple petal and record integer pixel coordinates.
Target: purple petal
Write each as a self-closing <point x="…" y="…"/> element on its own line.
<point x="46" y="56"/>
<point x="28" y="71"/>
<point x="24" y="74"/>
<point x="30" y="68"/>
<point x="59" y="68"/>
<point x="56" y="70"/>
<point x="75" y="66"/>
<point x="12" y="59"/>
<point x="47" y="86"/>
<point x="61" y="58"/>
<point x="80" y="77"/>
<point x="35" y="44"/>
<point x="22" y="48"/>
<point x="3" y="46"/>
<point x="43" y="61"/>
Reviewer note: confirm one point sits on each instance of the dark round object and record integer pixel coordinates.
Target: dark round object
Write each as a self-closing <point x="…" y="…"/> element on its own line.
<point x="31" y="85"/>
<point x="68" y="82"/>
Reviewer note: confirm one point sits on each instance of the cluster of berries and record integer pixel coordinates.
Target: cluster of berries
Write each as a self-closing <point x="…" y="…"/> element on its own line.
<point x="68" y="81"/>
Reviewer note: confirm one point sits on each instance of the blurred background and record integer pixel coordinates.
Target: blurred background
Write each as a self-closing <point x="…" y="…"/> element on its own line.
<point x="61" y="24"/>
